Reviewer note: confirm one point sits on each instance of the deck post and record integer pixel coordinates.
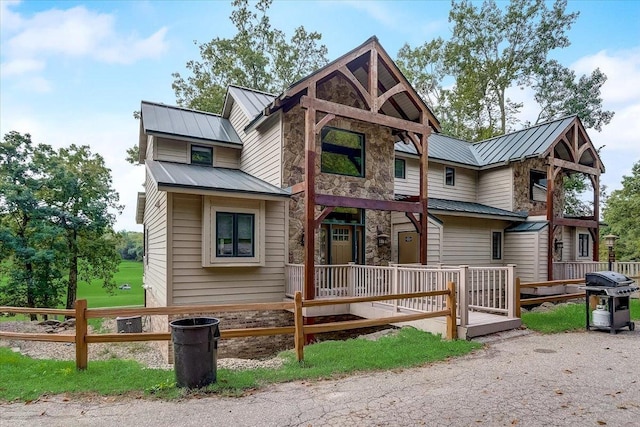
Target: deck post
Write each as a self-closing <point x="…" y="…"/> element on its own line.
<point x="513" y="294"/>
<point x="351" y="285"/>
<point x="395" y="283"/>
<point x="463" y="308"/>
<point x="82" y="350"/>
<point x="452" y="327"/>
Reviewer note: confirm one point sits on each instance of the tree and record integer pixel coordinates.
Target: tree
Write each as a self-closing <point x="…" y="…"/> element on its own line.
<point x="621" y="213"/>
<point x="82" y="200"/>
<point x="130" y="245"/>
<point x="492" y="50"/>
<point x="258" y="57"/>
<point x="28" y="242"/>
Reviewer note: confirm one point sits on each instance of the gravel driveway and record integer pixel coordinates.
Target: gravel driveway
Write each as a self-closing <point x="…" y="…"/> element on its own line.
<point x="573" y="379"/>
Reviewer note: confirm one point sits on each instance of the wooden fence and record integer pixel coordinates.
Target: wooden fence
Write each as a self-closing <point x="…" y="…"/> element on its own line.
<point x="551" y="298"/>
<point x="82" y="338"/>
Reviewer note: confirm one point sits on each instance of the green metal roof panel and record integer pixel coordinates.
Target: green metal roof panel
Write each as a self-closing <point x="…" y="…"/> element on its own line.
<point x="182" y="175"/>
<point x="472" y="208"/>
<point x="172" y="121"/>
<point x="527" y="227"/>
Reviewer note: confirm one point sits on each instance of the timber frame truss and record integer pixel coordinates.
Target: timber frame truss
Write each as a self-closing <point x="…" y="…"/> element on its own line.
<point x="389" y="101"/>
<point x="573" y="152"/>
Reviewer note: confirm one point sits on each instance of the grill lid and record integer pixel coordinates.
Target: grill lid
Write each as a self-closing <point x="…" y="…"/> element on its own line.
<point x="607" y="278"/>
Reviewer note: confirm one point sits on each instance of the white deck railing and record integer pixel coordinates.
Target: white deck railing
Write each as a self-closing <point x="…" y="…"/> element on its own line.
<point x="487" y="289"/>
<point x="578" y="269"/>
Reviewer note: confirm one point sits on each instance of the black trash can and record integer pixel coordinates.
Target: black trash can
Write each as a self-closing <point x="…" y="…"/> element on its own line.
<point x="195" y="350"/>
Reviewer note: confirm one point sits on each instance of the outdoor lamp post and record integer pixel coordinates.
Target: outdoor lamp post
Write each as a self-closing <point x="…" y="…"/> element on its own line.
<point x="610" y="241"/>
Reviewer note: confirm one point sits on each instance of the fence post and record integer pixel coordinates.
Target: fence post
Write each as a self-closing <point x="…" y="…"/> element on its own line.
<point x="452" y="327"/>
<point x="463" y="291"/>
<point x="299" y="326"/>
<point x="352" y="280"/>
<point x="82" y="353"/>
<point x="513" y="295"/>
<point x="517" y="297"/>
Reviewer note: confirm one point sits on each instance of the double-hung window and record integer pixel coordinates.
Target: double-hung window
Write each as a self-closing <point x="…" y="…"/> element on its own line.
<point x="496" y="245"/>
<point x="583" y="245"/>
<point x="449" y="176"/>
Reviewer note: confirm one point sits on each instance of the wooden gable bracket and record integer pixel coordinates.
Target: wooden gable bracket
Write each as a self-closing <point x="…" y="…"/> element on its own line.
<point x="415" y="221"/>
<point x="366" y="97"/>
<point x="416" y="142"/>
<point x="322" y="123"/>
<point x="325" y="212"/>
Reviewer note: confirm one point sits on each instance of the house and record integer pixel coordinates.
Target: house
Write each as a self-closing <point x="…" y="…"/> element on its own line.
<point x="345" y="166"/>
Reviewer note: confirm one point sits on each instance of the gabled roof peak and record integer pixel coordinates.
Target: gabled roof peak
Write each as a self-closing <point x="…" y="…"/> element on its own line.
<point x="548" y="122"/>
<point x="177" y="107"/>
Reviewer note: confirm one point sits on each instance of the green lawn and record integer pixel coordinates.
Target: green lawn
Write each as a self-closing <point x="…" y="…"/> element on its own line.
<point x="563" y="318"/>
<point x="129" y="272"/>
<point x="26" y="379"/>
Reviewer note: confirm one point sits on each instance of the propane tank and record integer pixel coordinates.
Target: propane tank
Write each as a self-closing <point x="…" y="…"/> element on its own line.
<point x="601" y="316"/>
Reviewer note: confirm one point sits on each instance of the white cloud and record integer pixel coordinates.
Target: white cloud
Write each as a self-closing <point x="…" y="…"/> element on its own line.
<point x="20" y="66"/>
<point x="622" y="69"/>
<point x="78" y="32"/>
<point x="9" y="20"/>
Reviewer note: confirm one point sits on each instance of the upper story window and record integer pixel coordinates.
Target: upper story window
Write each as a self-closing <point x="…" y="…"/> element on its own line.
<point x="537" y="186"/>
<point x="400" y="169"/>
<point x="342" y="152"/>
<point x="449" y="176"/>
<point x="583" y="245"/>
<point x="496" y="245"/>
<point x="201" y="155"/>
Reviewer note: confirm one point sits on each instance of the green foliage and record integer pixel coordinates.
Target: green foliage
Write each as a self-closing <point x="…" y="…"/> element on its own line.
<point x="563" y="318"/>
<point x="56" y="220"/>
<point x="493" y="48"/>
<point x="621" y="213"/>
<point x="27" y="379"/>
<point x="130" y="245"/>
<point x="258" y="57"/>
<point x="129" y="272"/>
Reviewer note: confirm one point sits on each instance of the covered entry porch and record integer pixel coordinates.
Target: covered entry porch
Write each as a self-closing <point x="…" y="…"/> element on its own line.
<point x="486" y="301"/>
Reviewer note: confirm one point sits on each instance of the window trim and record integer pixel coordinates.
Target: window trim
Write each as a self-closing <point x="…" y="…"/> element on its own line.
<point x="209" y="148"/>
<point x="453" y="176"/>
<point x="501" y="248"/>
<point x="362" y="151"/>
<point x="211" y="207"/>
<point x="404" y="168"/>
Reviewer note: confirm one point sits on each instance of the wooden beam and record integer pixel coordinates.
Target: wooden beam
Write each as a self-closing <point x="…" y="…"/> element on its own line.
<point x="373" y="80"/>
<point x="388" y="94"/>
<point x="326" y="211"/>
<point x="415" y="141"/>
<point x="363" y="115"/>
<point x="323" y="121"/>
<point x="424" y="171"/>
<point x="576" y="167"/>
<point x="356" y="84"/>
<point x="298" y="188"/>
<point x="309" y="200"/>
<point x="415" y="221"/>
<point x="550" y="216"/>
<point x="355" y="202"/>
<point x="574" y="222"/>
<point x="595" y="182"/>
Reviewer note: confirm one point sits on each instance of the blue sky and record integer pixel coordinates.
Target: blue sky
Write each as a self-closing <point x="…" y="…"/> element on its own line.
<point x="74" y="71"/>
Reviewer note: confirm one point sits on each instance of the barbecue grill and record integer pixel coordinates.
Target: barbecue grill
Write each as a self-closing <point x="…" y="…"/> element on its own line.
<point x="613" y="291"/>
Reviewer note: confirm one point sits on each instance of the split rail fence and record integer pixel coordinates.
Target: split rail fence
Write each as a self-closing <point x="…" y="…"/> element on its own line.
<point x="82" y="338"/>
<point x="551" y="298"/>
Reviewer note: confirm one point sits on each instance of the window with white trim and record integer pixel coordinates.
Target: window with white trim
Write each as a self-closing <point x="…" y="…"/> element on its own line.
<point x="496" y="245"/>
<point x="233" y="233"/>
<point x="449" y="176"/>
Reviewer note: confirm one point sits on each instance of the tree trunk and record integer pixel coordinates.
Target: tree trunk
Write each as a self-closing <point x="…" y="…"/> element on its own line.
<point x="31" y="298"/>
<point x="503" y="113"/>
<point x="72" y="286"/>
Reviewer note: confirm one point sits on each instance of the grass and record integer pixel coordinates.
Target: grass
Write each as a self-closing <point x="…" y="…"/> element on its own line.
<point x="27" y="379"/>
<point x="129" y="272"/>
<point x="565" y="318"/>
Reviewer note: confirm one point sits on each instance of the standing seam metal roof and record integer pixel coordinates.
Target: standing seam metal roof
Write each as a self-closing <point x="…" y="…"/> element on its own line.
<point x="252" y="102"/>
<point x="210" y="178"/>
<point x="181" y="122"/>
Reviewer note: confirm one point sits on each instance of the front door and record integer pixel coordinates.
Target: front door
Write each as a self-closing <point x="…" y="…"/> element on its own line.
<point x="408" y="247"/>
<point x="341" y="244"/>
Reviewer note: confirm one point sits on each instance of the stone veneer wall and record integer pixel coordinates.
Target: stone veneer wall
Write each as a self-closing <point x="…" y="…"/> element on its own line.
<point x="377" y="183"/>
<point x="522" y="202"/>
